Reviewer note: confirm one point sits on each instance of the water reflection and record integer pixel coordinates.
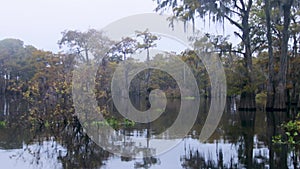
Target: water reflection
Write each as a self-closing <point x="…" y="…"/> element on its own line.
<point x="242" y="140"/>
<point x="277" y="153"/>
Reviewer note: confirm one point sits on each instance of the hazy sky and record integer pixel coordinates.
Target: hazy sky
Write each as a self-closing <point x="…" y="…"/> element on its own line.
<point x="40" y="22"/>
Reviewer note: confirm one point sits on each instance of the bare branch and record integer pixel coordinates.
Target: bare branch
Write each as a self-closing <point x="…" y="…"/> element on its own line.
<point x="237" y="51"/>
<point x="239" y="35"/>
<point x="238" y="7"/>
<point x="249" y="6"/>
<point x="233" y="22"/>
<point x="243" y="5"/>
<point x="235" y="12"/>
<point x="261" y="43"/>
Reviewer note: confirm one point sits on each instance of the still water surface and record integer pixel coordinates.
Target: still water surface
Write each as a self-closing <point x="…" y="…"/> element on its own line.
<point x="242" y="140"/>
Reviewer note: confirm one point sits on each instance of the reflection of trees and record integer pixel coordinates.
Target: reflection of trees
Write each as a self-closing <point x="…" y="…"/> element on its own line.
<point x="12" y="116"/>
<point x="147" y="162"/>
<point x="81" y="151"/>
<point x="277" y="153"/>
<point x="12" y="137"/>
<point x="239" y="130"/>
<point x="249" y="158"/>
<point x="194" y="159"/>
<point x="148" y="159"/>
<point x="245" y="151"/>
<point x="295" y="116"/>
<point x="69" y="145"/>
<point x="78" y="151"/>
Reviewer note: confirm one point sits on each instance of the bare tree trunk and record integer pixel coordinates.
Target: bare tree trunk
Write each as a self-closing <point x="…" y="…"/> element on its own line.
<point x="280" y="91"/>
<point x="148" y="70"/>
<point x="248" y="96"/>
<point x="294" y="92"/>
<point x="126" y="92"/>
<point x="270" y="85"/>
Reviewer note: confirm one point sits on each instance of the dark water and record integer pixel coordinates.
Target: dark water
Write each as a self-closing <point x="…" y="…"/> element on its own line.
<point x="242" y="140"/>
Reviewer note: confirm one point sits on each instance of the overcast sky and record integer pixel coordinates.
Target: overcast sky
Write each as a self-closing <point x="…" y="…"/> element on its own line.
<point x="40" y="22"/>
